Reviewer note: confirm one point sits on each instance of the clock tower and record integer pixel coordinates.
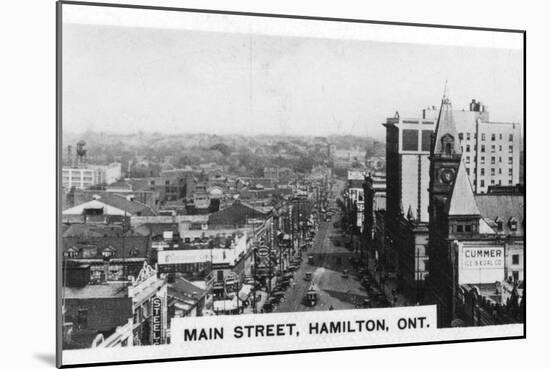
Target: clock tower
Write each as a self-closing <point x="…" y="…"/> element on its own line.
<point x="445" y="157"/>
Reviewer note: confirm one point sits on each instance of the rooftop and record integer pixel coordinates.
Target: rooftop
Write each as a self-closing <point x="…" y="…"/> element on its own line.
<point x="505" y="208"/>
<point x="114" y="200"/>
<point x="97" y="291"/>
<point x="183" y="289"/>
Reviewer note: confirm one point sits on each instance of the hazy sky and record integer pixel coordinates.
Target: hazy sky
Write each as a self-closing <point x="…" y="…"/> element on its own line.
<point x="125" y="79"/>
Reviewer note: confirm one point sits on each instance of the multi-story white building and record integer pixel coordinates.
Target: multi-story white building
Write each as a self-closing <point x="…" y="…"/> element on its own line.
<point x="83" y="177"/>
<point x="356" y="196"/>
<point x="491" y="150"/>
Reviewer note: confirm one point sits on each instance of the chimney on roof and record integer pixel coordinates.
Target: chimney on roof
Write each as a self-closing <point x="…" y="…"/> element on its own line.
<point x="476" y="106"/>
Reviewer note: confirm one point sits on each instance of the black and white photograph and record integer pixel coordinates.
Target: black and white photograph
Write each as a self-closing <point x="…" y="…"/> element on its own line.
<point x="239" y="183"/>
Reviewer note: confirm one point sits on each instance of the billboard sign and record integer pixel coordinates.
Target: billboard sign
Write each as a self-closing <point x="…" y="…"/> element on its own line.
<point x="481" y="264"/>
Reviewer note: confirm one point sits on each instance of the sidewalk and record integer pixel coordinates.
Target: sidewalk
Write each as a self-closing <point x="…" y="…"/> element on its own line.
<point x="262" y="298"/>
<point x="389" y="284"/>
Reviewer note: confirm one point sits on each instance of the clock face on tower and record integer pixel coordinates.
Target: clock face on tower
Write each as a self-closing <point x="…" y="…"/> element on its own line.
<point x="446" y="175"/>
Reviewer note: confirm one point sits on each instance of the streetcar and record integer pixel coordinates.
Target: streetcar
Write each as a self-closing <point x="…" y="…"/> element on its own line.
<point x="311" y="296"/>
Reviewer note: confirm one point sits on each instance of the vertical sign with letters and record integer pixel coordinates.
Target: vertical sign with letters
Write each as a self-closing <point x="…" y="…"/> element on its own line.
<point x="157" y="320"/>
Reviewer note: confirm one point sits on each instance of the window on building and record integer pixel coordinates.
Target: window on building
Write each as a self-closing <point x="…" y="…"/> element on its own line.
<point x="509" y="181"/>
<point x="500" y="224"/>
<point x="460" y="228"/>
<point x="499" y="170"/>
<point x="461" y="136"/>
<point x="510" y="160"/>
<point x="467" y="135"/>
<point x="410" y="139"/>
<point x="510" y="172"/>
<point x="515" y="275"/>
<point x="109" y="252"/>
<point x="492" y="148"/>
<point x="482" y="148"/>
<point x="510" y="149"/>
<point x="493" y="137"/>
<point x="499" y="147"/>
<point x="467" y="160"/>
<point x="483" y="137"/>
<point x="468" y="171"/>
<point x="82" y="318"/>
<point x="511" y="137"/>
<point x="468" y="228"/>
<point x="467" y="148"/>
<point x="483" y="160"/>
<point x="493" y="159"/>
<point x="426" y="140"/>
<point x="513" y="224"/>
<point x="500" y="136"/>
<point x="71" y="253"/>
<point x="448" y="148"/>
<point x="492" y="181"/>
<point x="482" y="183"/>
<point x="482" y="171"/>
<point x="492" y="171"/>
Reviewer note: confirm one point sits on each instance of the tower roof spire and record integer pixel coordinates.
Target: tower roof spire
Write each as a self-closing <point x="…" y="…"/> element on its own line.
<point x="446" y="138"/>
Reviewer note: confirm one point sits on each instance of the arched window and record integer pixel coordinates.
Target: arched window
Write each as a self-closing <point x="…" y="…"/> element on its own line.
<point x="447" y="143"/>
